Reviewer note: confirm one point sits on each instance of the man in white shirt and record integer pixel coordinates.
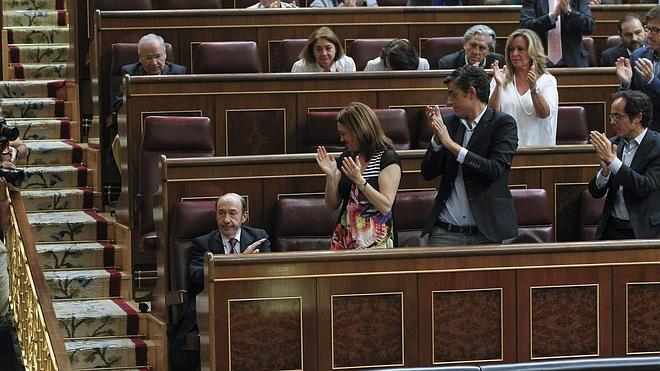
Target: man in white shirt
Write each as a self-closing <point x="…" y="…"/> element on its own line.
<point x="629" y="171"/>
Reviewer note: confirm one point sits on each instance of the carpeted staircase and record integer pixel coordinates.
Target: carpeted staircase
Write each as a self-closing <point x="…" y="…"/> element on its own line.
<point x="82" y="265"/>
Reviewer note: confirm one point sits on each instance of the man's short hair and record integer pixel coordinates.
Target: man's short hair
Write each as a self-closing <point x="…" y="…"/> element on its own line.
<point x="147" y="39"/>
<point x="628" y="18"/>
<point x="468" y="76"/>
<point x="636" y="102"/>
<point x="244" y="206"/>
<point x="652" y="14"/>
<point x="481" y="29"/>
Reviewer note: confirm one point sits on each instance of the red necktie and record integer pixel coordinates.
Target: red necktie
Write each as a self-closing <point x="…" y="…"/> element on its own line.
<point x="554" y="37"/>
<point x="232" y="243"/>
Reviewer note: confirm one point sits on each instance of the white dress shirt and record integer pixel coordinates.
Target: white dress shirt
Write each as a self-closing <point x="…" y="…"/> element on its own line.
<point x="345" y="64"/>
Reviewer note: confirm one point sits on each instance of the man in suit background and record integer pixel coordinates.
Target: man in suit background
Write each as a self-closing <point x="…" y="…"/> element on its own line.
<point x="478" y="50"/>
<point x="472" y="149"/>
<point x="629" y="171"/>
<point x="574" y="19"/>
<point x="633" y="36"/>
<point x="642" y="71"/>
<point x="231" y="237"/>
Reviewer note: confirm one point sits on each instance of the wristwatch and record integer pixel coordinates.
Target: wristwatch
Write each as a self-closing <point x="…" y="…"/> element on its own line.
<point x="534" y="91"/>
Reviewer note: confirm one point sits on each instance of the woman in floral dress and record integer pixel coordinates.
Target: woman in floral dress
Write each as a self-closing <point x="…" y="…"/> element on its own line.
<point x="363" y="181"/>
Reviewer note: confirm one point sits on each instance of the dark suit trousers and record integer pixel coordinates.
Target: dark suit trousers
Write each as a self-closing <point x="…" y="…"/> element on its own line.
<point x="613" y="231"/>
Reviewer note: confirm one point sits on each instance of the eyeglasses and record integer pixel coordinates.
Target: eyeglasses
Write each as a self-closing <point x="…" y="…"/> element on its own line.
<point x="150" y="57"/>
<point x="616" y="117"/>
<point x="653" y="30"/>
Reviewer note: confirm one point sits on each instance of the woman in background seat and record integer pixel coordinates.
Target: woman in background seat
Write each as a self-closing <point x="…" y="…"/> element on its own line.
<point x="398" y="55"/>
<point x="363" y="181"/>
<point x="323" y="53"/>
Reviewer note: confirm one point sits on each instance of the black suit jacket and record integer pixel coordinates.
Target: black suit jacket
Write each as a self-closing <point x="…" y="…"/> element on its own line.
<point x="211" y="242"/>
<point x="456" y="60"/>
<point x="136" y="69"/>
<point x="534" y="15"/>
<point x="609" y="56"/>
<point x="652" y="89"/>
<point x="641" y="188"/>
<point x="485" y="173"/>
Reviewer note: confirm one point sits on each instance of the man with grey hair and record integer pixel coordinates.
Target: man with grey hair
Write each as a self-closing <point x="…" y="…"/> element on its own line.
<point x="478" y="50"/>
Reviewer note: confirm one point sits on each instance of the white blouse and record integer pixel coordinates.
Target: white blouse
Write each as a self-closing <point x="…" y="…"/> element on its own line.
<point x="345" y="64"/>
<point x="377" y="64"/>
<point x="532" y="130"/>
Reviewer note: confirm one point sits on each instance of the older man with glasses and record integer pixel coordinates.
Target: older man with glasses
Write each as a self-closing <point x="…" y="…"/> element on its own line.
<point x="642" y="71"/>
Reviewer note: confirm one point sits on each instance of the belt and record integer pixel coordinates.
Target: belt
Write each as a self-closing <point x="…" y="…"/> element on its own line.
<point x="469" y="230"/>
<point x="620" y="223"/>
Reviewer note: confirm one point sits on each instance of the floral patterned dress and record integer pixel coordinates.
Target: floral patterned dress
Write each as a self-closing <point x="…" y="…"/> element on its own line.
<point x="360" y="224"/>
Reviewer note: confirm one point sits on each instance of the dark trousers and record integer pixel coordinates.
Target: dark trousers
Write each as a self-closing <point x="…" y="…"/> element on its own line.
<point x="617" y="229"/>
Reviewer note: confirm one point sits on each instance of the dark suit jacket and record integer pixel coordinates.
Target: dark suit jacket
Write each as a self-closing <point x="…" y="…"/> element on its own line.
<point x="136" y="69"/>
<point x="609" y="56"/>
<point x="485" y="173"/>
<point x="534" y="15"/>
<point x="652" y="89"/>
<point x="641" y="188"/>
<point x="456" y="60"/>
<point x="211" y="242"/>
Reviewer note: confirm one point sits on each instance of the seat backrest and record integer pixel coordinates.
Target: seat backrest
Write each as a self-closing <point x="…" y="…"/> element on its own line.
<point x="363" y="50"/>
<point x="189" y="4"/>
<point x="425" y="132"/>
<point x="289" y="51"/>
<point x="123" y="4"/>
<point x="572" y="125"/>
<point x="321" y="129"/>
<point x="588" y="43"/>
<point x="410" y="212"/>
<point x="227" y="57"/>
<point x="590" y="211"/>
<point x="612" y="41"/>
<point x="242" y="4"/>
<point x="189" y="219"/>
<point x="172" y="136"/>
<point x="437" y="47"/>
<point x="303" y="224"/>
<point x="533" y="214"/>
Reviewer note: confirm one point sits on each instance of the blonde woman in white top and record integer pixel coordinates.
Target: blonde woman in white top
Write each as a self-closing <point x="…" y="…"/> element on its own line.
<point x="525" y="90"/>
<point x="323" y="53"/>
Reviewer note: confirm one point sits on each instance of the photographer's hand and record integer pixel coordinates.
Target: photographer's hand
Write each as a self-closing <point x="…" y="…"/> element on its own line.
<point x="8" y="165"/>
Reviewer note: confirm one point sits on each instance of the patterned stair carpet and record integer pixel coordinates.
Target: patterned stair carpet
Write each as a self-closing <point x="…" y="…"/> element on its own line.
<point x="75" y="244"/>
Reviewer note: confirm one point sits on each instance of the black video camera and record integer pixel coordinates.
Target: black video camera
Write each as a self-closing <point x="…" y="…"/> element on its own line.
<point x="13" y="176"/>
<point x="8" y="131"/>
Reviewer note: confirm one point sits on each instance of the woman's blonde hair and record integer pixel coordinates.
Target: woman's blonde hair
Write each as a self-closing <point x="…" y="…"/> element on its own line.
<point x="534" y="49"/>
<point x="362" y="121"/>
<point x="307" y="53"/>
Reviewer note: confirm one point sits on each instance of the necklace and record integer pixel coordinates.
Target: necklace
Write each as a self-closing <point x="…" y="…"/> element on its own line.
<point x="520" y="100"/>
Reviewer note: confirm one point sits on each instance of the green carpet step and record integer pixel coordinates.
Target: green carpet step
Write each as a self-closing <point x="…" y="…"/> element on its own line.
<point x="32" y="107"/>
<point x="107" y="353"/>
<point x="40" y="53"/>
<point x="64" y="226"/>
<point x="58" y="199"/>
<point x="38" y="35"/>
<point x="28" y="18"/>
<point x="33" y="89"/>
<point x="70" y="176"/>
<point x="39" y="71"/>
<point x="52" y="152"/>
<point x="33" y="5"/>
<point x="78" y="255"/>
<point x="43" y="129"/>
<point x="96" y="318"/>
<point x="90" y="283"/>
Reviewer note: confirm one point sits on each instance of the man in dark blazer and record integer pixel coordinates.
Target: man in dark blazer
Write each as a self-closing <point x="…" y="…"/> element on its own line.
<point x="478" y="50"/>
<point x="633" y="36"/>
<point x="642" y="71"/>
<point x="576" y="20"/>
<point x="231" y="237"/>
<point x="629" y="171"/>
<point x="472" y="149"/>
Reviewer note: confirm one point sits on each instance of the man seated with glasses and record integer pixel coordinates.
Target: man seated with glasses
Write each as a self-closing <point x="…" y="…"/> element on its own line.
<point x="629" y="171"/>
<point x="642" y="71"/>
